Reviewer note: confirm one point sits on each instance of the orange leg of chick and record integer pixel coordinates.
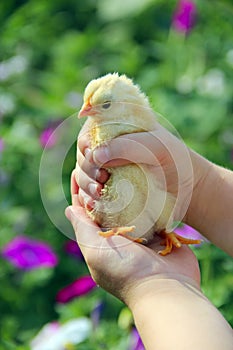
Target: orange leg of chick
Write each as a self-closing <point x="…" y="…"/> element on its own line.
<point x="121" y="231"/>
<point x="173" y="239"/>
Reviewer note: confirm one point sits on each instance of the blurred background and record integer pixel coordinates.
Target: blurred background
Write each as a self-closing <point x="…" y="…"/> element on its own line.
<point x="181" y="54"/>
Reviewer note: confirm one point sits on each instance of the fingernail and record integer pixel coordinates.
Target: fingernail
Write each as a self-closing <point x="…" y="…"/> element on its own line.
<point x="93" y="189"/>
<point x="86" y="151"/>
<point x="101" y="155"/>
<point x="69" y="213"/>
<point x="88" y="154"/>
<point x="98" y="175"/>
<point x="88" y="203"/>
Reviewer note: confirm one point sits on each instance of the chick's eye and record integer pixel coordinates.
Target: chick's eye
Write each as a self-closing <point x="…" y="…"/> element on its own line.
<point x="106" y="104"/>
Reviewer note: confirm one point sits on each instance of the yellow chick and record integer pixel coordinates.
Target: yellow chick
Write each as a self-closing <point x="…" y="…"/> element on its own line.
<point x="132" y="202"/>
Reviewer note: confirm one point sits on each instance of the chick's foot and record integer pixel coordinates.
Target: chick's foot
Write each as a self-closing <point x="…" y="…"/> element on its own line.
<point x="173" y="239"/>
<point x="121" y="231"/>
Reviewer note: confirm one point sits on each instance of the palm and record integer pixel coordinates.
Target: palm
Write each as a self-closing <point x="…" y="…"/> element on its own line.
<point x="116" y="263"/>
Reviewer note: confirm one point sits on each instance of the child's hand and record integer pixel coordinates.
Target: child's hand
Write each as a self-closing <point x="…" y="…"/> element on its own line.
<point x="121" y="266"/>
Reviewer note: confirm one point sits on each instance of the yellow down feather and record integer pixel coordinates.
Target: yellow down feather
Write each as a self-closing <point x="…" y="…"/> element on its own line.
<point x="132" y="195"/>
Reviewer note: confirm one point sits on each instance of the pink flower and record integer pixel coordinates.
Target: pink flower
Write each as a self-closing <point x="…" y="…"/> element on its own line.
<point x="189" y="232"/>
<point x="72" y="248"/>
<point x="136" y="342"/>
<point x="27" y="254"/>
<point x="184" y="16"/>
<point x="79" y="287"/>
<point x="48" y="138"/>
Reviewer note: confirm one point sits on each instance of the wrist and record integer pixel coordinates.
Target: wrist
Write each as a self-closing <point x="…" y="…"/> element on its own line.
<point x="156" y="310"/>
<point x="177" y="315"/>
<point x="203" y="183"/>
<point x="156" y="287"/>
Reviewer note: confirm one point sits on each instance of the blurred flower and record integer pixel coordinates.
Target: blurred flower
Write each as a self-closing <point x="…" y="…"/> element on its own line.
<point x="184" y="84"/>
<point x="72" y="248"/>
<point x="4" y="178"/>
<point x="1" y="144"/>
<point x="74" y="99"/>
<point x="96" y="313"/>
<point x="27" y="254"/>
<point x="54" y="336"/>
<point x="227" y="137"/>
<point x="135" y="341"/>
<point x="14" y="65"/>
<point x="212" y="83"/>
<point x="7" y="103"/>
<point x="184" y="16"/>
<point x="79" y="287"/>
<point x="48" y="138"/>
<point x="189" y="232"/>
<point x="44" y="334"/>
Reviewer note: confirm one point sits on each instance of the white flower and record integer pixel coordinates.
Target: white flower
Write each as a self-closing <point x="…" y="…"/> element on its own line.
<point x="7" y="103"/>
<point x="56" y="337"/>
<point x="14" y="65"/>
<point x="212" y="83"/>
<point x="184" y="84"/>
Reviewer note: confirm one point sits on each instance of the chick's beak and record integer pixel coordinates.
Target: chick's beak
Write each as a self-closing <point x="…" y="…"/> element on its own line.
<point x="86" y="110"/>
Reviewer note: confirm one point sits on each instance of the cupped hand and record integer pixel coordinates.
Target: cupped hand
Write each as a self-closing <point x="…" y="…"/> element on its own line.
<point x="168" y="157"/>
<point x="120" y="265"/>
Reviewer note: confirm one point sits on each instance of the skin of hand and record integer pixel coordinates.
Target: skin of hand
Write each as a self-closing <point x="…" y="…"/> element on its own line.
<point x="118" y="264"/>
<point x="211" y="206"/>
<point x="166" y="155"/>
<point x="163" y="293"/>
<point x="145" y="262"/>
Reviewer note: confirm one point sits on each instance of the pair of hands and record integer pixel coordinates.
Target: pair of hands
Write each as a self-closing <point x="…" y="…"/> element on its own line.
<point x="118" y="265"/>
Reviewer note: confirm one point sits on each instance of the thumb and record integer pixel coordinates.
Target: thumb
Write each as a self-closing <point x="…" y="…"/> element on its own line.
<point x="69" y="213"/>
<point x="144" y="147"/>
<point x="86" y="231"/>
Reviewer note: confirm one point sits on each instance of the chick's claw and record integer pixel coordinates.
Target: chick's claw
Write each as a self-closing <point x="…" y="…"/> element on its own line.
<point x="121" y="231"/>
<point x="173" y="239"/>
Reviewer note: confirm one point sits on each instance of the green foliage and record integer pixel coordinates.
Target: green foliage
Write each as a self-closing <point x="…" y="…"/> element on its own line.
<point x="49" y="51"/>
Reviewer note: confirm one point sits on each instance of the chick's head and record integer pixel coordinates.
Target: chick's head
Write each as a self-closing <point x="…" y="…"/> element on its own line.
<point x="112" y="89"/>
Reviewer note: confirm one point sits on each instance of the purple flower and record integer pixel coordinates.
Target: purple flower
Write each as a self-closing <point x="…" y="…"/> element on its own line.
<point x="27" y="254"/>
<point x="184" y="16"/>
<point x="79" y="287"/>
<point x="2" y="146"/>
<point x="48" y="138"/>
<point x="189" y="232"/>
<point x="135" y="341"/>
<point x="4" y="178"/>
<point x="96" y="313"/>
<point x="72" y="248"/>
